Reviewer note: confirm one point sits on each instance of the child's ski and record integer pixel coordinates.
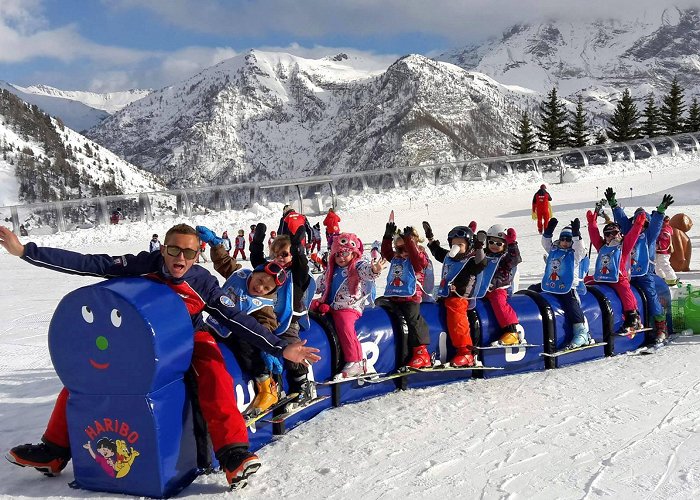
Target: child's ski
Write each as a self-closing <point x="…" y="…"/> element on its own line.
<point x="278" y="419"/>
<point x="511" y="346"/>
<point x="252" y="418"/>
<point x="652" y="348"/>
<point x="402" y="372"/>
<point x="631" y="332"/>
<point x="449" y="368"/>
<point x="575" y="349"/>
<point x="359" y="378"/>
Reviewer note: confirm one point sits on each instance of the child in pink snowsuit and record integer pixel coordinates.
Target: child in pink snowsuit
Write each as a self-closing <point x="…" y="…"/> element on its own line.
<point x="345" y="288"/>
<point x="613" y="262"/>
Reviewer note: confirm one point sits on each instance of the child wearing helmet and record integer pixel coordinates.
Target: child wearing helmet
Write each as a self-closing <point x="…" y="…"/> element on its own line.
<point x="562" y="276"/>
<point x="460" y="267"/>
<point x="345" y="288"/>
<point x="664" y="248"/>
<point x="405" y="288"/>
<point x="612" y="266"/>
<point x="239" y="245"/>
<point x="503" y="255"/>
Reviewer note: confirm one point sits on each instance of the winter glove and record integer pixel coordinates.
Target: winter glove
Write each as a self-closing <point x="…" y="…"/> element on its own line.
<point x="576" y="228"/>
<point x="640" y="219"/>
<point x="534" y="215"/>
<point x="319" y="307"/>
<point x="260" y="232"/>
<point x="207" y="236"/>
<point x="272" y="363"/>
<point x="665" y="203"/>
<point x="480" y="240"/>
<point x="390" y="230"/>
<point x="428" y="230"/>
<point x="590" y="217"/>
<point x="407" y="232"/>
<point x="472" y="226"/>
<point x="551" y="225"/>
<point x="511" y="236"/>
<point x="297" y="237"/>
<point x="610" y="196"/>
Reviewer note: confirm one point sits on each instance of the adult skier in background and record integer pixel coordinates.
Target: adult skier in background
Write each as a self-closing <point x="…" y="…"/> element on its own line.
<point x="541" y="208"/>
<point x="642" y="265"/>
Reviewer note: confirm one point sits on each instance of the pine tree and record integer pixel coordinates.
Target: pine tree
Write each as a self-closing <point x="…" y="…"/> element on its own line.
<point x="692" y="124"/>
<point x="672" y="109"/>
<point x="524" y="141"/>
<point x="623" y="123"/>
<point x="650" y="124"/>
<point x="553" y="129"/>
<point x="579" y="129"/>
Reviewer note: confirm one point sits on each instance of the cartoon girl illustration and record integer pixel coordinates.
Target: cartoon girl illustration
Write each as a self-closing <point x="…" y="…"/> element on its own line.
<point x="113" y="456"/>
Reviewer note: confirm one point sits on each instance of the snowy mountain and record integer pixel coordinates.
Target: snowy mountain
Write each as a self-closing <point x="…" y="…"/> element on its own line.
<point x="266" y="115"/>
<point x="598" y="59"/>
<point x="77" y="109"/>
<point x="44" y="160"/>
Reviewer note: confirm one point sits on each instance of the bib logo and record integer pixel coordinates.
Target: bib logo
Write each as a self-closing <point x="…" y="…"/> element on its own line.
<point x="113" y="455"/>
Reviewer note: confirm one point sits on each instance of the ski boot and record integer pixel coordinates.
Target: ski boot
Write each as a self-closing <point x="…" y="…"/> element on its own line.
<point x="46" y="457"/>
<point x="420" y="358"/>
<point x="661" y="331"/>
<point x="306" y="390"/>
<point x="352" y="369"/>
<point x="238" y="464"/>
<point x="511" y="336"/>
<point x="582" y="337"/>
<point x="632" y="323"/>
<point x="463" y="358"/>
<point x="266" y="395"/>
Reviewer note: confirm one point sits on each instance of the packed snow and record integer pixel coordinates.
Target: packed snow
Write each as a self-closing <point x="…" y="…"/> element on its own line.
<point x="621" y="427"/>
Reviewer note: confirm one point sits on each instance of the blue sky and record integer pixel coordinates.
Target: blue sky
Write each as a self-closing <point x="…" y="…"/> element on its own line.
<point x="106" y="45"/>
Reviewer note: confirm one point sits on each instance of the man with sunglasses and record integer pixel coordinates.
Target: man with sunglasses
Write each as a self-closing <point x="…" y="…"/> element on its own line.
<point x="644" y="255"/>
<point x="200" y="291"/>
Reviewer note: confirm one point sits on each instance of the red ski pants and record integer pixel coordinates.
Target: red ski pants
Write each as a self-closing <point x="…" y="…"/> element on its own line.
<point x="216" y="398"/>
<point x="505" y="315"/>
<point x="237" y="250"/>
<point x="344" y="321"/>
<point x="624" y="292"/>
<point x="457" y="321"/>
<point x="542" y="218"/>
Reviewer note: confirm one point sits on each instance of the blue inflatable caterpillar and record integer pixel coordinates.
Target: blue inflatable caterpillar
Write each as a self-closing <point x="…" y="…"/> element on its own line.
<point x="122" y="348"/>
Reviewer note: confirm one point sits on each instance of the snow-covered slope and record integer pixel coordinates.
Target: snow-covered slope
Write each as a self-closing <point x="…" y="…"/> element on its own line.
<point x="599" y="59"/>
<point x="267" y="115"/>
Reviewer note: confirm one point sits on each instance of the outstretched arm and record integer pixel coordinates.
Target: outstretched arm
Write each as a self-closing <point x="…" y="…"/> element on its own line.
<point x="10" y="242"/>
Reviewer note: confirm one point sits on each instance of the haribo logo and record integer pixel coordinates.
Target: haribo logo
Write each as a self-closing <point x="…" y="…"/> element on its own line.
<point x="101" y="341"/>
<point x="113" y="455"/>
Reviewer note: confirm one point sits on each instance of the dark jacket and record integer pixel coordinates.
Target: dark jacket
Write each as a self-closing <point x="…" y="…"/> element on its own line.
<point x="504" y="272"/>
<point x="466" y="278"/>
<point x="198" y="288"/>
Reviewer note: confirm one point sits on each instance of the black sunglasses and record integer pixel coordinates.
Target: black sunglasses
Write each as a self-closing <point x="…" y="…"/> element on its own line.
<point x="174" y="251"/>
<point x="565" y="238"/>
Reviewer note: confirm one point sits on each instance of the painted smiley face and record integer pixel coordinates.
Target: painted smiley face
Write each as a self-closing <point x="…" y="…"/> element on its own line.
<point x="101" y="342"/>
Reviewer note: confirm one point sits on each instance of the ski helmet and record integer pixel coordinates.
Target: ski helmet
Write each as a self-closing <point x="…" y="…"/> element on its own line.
<point x="461" y="232"/>
<point x="497" y="231"/>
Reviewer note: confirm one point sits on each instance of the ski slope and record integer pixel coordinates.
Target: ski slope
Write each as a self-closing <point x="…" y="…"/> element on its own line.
<point x="621" y="427"/>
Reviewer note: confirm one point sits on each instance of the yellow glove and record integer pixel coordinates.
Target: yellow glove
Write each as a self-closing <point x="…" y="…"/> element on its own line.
<point x="534" y="216"/>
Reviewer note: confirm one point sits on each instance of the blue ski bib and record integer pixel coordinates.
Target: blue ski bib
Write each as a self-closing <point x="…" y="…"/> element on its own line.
<point x="483" y="279"/>
<point x="303" y="317"/>
<point x="607" y="265"/>
<point x="401" y="280"/>
<point x="640" y="257"/>
<point x="582" y="272"/>
<point x="559" y="270"/>
<point x="340" y="275"/>
<point x="450" y="270"/>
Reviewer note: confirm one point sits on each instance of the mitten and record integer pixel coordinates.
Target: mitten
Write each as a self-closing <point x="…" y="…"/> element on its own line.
<point x="323" y="308"/>
<point x="407" y="231"/>
<point x="576" y="227"/>
<point x="480" y="240"/>
<point x="610" y="196"/>
<point x="298" y="236"/>
<point x="390" y="230"/>
<point x="534" y="215"/>
<point x="472" y="226"/>
<point x="272" y="363"/>
<point x="551" y="225"/>
<point x="260" y="232"/>
<point x="207" y="236"/>
<point x="640" y="218"/>
<point x="428" y="230"/>
<point x="590" y="217"/>
<point x="665" y="202"/>
<point x="511" y="236"/>
<point x="313" y="306"/>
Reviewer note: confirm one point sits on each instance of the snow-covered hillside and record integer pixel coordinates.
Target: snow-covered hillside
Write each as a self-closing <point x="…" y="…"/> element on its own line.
<point x="622" y="427"/>
<point x="598" y="60"/>
<point x="266" y="115"/>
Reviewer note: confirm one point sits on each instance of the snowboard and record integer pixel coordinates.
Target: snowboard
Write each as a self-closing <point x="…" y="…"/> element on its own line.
<point x="568" y="351"/>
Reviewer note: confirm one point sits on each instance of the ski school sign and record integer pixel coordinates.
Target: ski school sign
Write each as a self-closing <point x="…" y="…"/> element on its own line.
<point x="121" y="348"/>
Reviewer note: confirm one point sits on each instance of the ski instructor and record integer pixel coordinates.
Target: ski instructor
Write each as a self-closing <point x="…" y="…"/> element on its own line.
<point x="541" y="208"/>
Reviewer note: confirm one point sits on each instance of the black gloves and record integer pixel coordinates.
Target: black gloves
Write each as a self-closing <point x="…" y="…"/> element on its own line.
<point x="428" y="230"/>
<point x="610" y="196"/>
<point x="260" y="232"/>
<point x="551" y="225"/>
<point x="665" y="203"/>
<point x="576" y="227"/>
<point x="407" y="231"/>
<point x="297" y="237"/>
<point x="479" y="240"/>
<point x="390" y="230"/>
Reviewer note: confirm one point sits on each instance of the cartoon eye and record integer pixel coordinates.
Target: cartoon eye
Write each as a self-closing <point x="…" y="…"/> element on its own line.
<point x="87" y="314"/>
<point x="352" y="244"/>
<point x="116" y="318"/>
<point x="343" y="241"/>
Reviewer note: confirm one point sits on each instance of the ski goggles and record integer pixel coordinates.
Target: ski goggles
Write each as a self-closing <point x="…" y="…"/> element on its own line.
<point x="174" y="251"/>
<point x="612" y="232"/>
<point x="566" y="237"/>
<point x="497" y="243"/>
<point x="277" y="272"/>
<point x="459" y="233"/>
